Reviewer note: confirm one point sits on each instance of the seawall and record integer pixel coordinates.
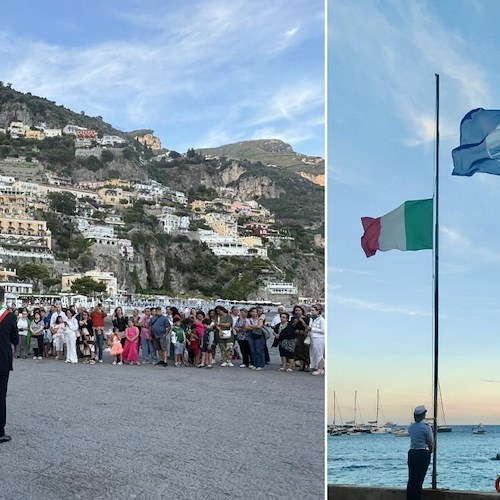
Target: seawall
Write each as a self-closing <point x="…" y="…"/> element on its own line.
<point x="351" y="492"/>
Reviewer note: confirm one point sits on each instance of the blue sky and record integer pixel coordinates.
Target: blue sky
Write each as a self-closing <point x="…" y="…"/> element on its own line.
<point x="201" y="73"/>
<point x="381" y="96"/>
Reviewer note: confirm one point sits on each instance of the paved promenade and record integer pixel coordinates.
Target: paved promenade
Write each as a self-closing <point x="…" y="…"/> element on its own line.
<point x="148" y="432"/>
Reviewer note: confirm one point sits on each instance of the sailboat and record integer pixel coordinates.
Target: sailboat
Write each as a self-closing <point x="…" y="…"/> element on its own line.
<point x="334" y="429"/>
<point x="375" y="427"/>
<point x="442" y="428"/>
<point x="354" y="427"/>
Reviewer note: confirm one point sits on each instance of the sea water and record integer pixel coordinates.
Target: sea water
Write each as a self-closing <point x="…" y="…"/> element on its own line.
<point x="464" y="460"/>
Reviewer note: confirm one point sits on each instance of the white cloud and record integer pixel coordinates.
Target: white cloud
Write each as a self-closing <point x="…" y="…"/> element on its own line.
<point x="464" y="249"/>
<point x="373" y="306"/>
<point x="289" y="102"/>
<point x="291" y="32"/>
<point x="413" y="34"/>
<point x="211" y="51"/>
<point x="338" y="270"/>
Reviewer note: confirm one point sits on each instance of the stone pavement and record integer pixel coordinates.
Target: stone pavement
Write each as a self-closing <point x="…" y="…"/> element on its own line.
<point x="148" y="432"/>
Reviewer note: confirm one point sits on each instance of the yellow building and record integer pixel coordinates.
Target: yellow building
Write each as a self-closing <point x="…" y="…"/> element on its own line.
<point x="102" y="277"/>
<point x="7" y="274"/>
<point x="28" y="233"/>
<point x="117" y="196"/>
<point x="222" y="224"/>
<point x="200" y="205"/>
<point x="255" y="243"/>
<point x="45" y="189"/>
<point x="13" y="205"/>
<point x="34" y="134"/>
<point x="118" y="183"/>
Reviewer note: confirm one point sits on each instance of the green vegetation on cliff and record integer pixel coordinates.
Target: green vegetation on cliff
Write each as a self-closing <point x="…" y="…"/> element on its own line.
<point x="54" y="115"/>
<point x="269" y="152"/>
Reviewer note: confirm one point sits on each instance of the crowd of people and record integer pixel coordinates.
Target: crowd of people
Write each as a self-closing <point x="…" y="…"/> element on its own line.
<point x="191" y="338"/>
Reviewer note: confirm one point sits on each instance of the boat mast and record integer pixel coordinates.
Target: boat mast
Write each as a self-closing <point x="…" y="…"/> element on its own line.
<point x="355" y="405"/>
<point x="334" y="407"/>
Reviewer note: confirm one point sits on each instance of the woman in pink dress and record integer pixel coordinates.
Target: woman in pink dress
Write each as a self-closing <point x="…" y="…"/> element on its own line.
<point x="130" y="349"/>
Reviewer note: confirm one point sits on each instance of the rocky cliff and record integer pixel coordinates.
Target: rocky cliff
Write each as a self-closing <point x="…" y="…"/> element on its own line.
<point x="272" y="152"/>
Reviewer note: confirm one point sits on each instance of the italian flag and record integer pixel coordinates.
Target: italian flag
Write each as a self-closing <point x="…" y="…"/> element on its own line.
<point x="408" y="227"/>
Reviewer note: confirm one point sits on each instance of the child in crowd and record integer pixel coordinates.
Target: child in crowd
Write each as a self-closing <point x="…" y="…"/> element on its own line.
<point x="187" y="326"/>
<point x="116" y="346"/>
<point x="207" y="343"/>
<point x="58" y="337"/>
<point x="131" y="347"/>
<point x="179" y="340"/>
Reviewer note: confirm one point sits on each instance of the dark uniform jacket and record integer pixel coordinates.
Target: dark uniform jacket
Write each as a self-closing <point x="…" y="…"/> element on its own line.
<point x="8" y="335"/>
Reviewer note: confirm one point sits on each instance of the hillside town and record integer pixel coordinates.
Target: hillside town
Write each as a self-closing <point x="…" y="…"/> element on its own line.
<point x="226" y="224"/>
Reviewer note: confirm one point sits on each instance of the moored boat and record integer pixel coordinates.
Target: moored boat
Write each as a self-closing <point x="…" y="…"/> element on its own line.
<point x="402" y="432"/>
<point x="479" y="429"/>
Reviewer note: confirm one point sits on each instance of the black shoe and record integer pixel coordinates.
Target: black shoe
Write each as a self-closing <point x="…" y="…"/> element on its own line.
<point x="17" y="356"/>
<point x="165" y="365"/>
<point x="5" y="438"/>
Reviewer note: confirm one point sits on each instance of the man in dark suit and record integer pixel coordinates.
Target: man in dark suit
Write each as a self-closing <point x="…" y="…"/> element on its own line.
<point x="8" y="337"/>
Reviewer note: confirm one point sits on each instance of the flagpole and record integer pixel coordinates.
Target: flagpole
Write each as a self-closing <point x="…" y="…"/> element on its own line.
<point x="436" y="292"/>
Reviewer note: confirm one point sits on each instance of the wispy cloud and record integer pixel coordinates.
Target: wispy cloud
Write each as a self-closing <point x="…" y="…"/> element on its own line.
<point x="338" y="270"/>
<point x="199" y="54"/>
<point x="464" y="249"/>
<point x="374" y="306"/>
<point x="411" y="33"/>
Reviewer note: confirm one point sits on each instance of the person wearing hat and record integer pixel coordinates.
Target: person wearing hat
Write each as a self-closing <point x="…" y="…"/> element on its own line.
<point x="419" y="456"/>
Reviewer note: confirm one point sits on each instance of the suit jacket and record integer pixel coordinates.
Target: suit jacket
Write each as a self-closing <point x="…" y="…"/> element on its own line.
<point x="8" y="335"/>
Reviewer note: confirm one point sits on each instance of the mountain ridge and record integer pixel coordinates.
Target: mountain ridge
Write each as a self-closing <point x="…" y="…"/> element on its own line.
<point x="272" y="152"/>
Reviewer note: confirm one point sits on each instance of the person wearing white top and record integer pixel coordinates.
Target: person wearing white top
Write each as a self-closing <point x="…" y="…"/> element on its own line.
<point x="56" y="313"/>
<point x="317" y="334"/>
<point x="23" y="327"/>
<point x="70" y="332"/>
<point x="277" y="319"/>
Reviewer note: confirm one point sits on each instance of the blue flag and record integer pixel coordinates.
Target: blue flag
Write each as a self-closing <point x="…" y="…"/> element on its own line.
<point x="479" y="149"/>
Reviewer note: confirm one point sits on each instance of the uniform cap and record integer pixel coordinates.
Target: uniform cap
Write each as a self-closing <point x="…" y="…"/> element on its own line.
<point x="420" y="409"/>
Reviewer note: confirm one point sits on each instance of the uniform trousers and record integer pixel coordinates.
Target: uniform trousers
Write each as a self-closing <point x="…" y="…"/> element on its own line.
<point x="418" y="463"/>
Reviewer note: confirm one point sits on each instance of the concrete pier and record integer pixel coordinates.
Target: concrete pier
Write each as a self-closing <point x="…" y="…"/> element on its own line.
<point x="350" y="492"/>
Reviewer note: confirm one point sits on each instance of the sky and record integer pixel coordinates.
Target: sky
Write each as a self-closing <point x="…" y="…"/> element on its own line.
<point x="383" y="56"/>
<point x="200" y="73"/>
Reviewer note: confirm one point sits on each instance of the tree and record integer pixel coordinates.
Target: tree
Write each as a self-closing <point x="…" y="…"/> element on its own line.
<point x="87" y="286"/>
<point x="191" y="153"/>
<point x="93" y="163"/>
<point x="33" y="272"/>
<point x="51" y="282"/>
<point x="64" y="203"/>
<point x="107" y="156"/>
<point x="128" y="153"/>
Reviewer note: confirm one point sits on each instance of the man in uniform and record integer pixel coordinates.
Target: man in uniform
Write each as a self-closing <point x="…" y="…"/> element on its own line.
<point x="8" y="337"/>
<point x="419" y="456"/>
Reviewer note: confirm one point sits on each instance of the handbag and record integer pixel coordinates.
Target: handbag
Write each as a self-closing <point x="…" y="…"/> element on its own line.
<point x="256" y="333"/>
<point x="225" y="334"/>
<point x="307" y="340"/>
<point x="266" y="332"/>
